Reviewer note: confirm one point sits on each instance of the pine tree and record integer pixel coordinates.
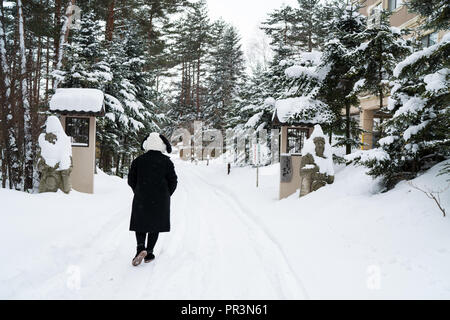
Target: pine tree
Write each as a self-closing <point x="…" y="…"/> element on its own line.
<point x="192" y="48"/>
<point x="129" y="110"/>
<point x="85" y="63"/>
<point x="327" y="78"/>
<point x="227" y="68"/>
<point x="308" y="29"/>
<point x="336" y="88"/>
<point x="280" y="26"/>
<point x="436" y="13"/>
<point x="377" y="56"/>
<point x="417" y="134"/>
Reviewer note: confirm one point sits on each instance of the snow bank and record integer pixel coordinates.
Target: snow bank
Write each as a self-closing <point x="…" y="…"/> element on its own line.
<point x="62" y="236"/>
<point x="340" y="237"/>
<point x="77" y="99"/>
<point x="59" y="152"/>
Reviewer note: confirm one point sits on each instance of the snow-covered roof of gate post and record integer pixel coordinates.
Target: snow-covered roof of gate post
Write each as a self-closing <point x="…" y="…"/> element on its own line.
<point x="80" y="101"/>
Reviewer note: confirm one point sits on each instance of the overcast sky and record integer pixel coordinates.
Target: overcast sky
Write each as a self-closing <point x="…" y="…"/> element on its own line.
<point x="244" y="14"/>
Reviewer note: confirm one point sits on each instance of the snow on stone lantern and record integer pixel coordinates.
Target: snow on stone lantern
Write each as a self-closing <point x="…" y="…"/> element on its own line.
<point x="316" y="166"/>
<point x="55" y="158"/>
<point x="78" y="109"/>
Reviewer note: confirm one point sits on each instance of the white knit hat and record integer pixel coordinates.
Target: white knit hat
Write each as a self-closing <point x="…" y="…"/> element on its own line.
<point x="154" y="142"/>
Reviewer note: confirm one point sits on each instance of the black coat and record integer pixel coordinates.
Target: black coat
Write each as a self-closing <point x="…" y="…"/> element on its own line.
<point x="153" y="180"/>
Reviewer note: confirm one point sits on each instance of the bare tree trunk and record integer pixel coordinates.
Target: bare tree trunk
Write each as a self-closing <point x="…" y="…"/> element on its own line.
<point x="65" y="29"/>
<point x="348" y="147"/>
<point x="69" y="15"/>
<point x="110" y="20"/>
<point x="182" y="83"/>
<point x="4" y="104"/>
<point x="25" y="103"/>
<point x="58" y="25"/>
<point x="192" y="93"/>
<point x="198" y="87"/>
<point x="47" y="68"/>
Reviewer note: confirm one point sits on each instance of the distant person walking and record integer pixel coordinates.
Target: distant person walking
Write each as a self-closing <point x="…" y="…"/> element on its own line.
<point x="153" y="180"/>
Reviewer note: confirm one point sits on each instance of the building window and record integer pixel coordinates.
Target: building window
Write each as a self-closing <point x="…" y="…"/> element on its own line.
<point x="429" y="40"/>
<point x="376" y="9"/>
<point x="394" y="4"/>
<point x="78" y="130"/>
<point x="295" y="139"/>
<point x="374" y="15"/>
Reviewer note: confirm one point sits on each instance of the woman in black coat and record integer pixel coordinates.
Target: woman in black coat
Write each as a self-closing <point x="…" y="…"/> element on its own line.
<point x="153" y="180"/>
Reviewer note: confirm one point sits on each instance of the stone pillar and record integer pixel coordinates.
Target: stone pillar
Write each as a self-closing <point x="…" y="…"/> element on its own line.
<point x="366" y="122"/>
<point x="82" y="175"/>
<point x="283" y="140"/>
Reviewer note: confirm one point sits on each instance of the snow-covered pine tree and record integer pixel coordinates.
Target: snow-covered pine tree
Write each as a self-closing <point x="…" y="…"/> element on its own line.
<point x="191" y="51"/>
<point x="417" y="135"/>
<point x="227" y="70"/>
<point x="435" y="13"/>
<point x="129" y="110"/>
<point x="85" y="63"/>
<point x="327" y="78"/>
<point x="336" y="88"/>
<point x="309" y="26"/>
<point x="280" y="28"/>
<point x="382" y="48"/>
<point x="251" y="97"/>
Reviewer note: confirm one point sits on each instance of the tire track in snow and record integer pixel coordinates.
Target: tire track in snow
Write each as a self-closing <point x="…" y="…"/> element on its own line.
<point x="231" y="259"/>
<point x="183" y="260"/>
<point x="219" y="258"/>
<point x="284" y="272"/>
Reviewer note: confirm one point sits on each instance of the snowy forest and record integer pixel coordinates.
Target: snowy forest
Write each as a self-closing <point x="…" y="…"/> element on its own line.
<point x="163" y="64"/>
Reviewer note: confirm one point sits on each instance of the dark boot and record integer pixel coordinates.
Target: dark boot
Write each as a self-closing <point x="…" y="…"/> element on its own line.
<point x="140" y="255"/>
<point x="149" y="257"/>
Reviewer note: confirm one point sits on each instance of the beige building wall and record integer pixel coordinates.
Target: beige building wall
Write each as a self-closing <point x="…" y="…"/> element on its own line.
<point x="82" y="176"/>
<point x="399" y="16"/>
<point x="369" y="106"/>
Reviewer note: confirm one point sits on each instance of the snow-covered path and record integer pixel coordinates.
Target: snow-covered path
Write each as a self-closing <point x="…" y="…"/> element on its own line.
<point x="230" y="240"/>
<point x="216" y="250"/>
